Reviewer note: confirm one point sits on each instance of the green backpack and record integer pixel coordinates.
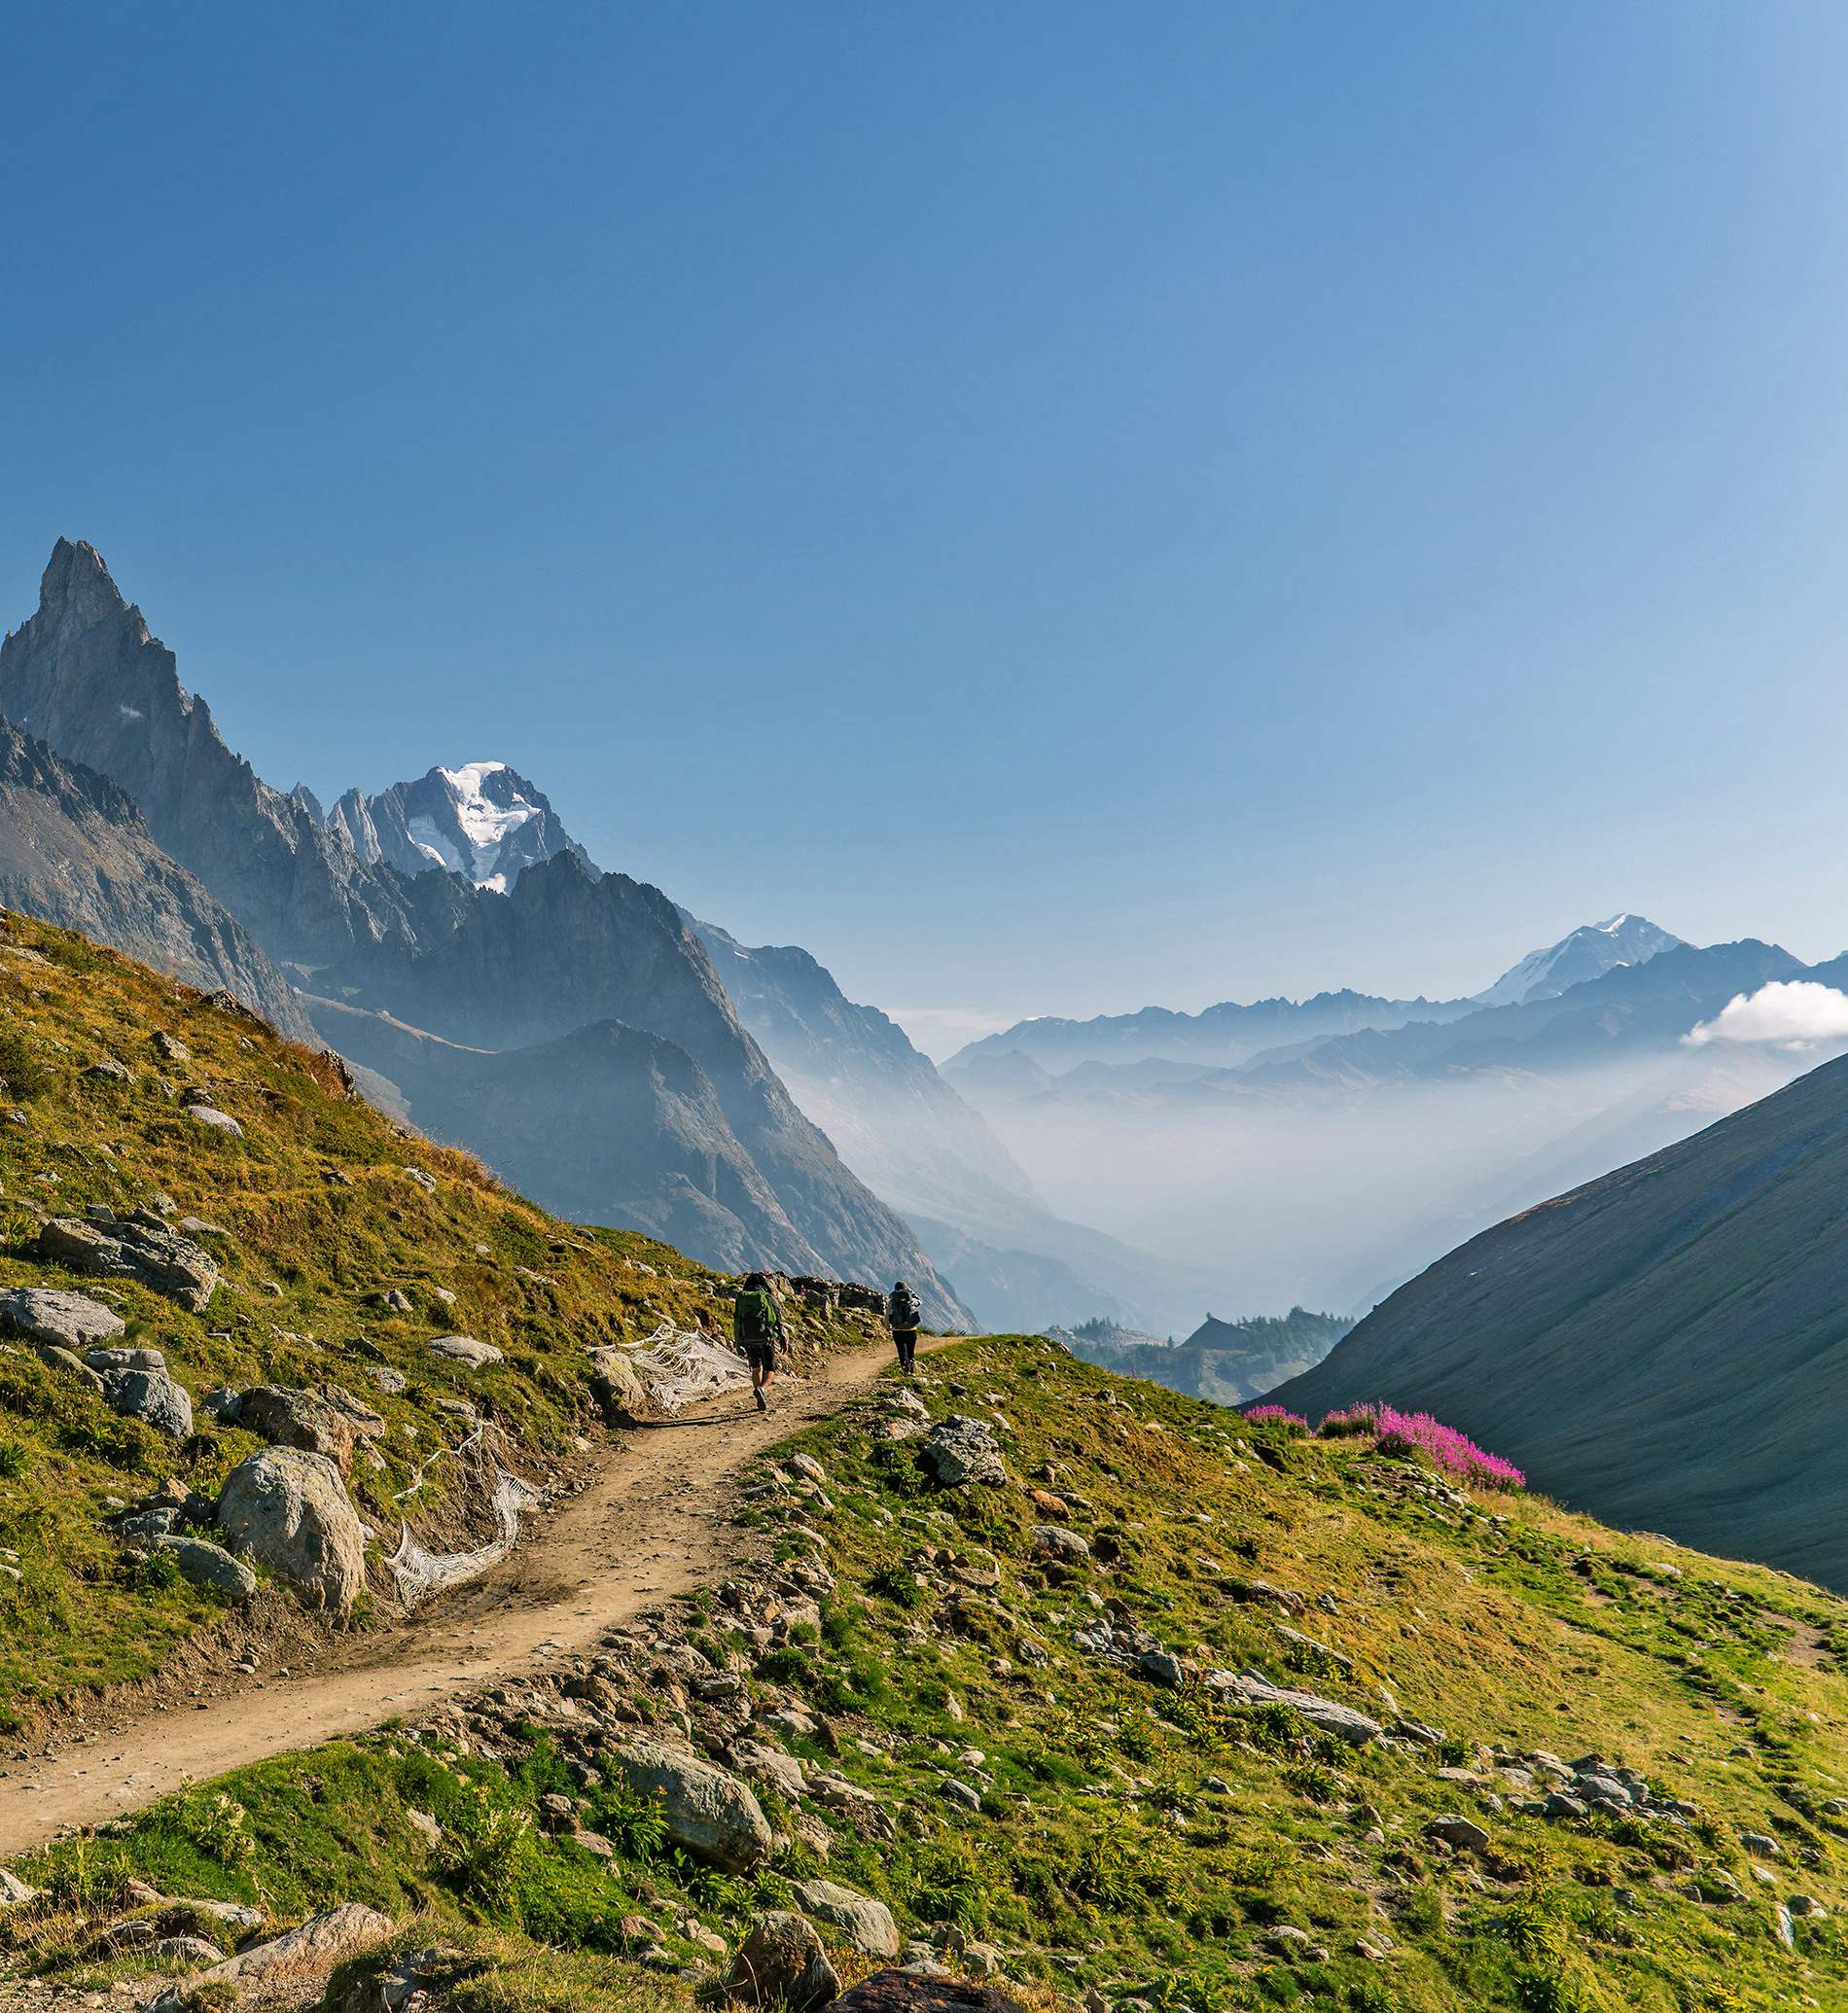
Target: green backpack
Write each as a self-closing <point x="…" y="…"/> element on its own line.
<point x="755" y="1318"/>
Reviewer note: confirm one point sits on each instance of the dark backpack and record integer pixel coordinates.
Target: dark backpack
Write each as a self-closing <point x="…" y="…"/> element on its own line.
<point x="755" y="1318"/>
<point x="904" y="1310"/>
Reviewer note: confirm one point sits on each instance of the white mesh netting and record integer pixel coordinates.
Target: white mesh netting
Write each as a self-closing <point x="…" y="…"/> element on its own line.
<point x="677" y="1366"/>
<point x="419" y="1574"/>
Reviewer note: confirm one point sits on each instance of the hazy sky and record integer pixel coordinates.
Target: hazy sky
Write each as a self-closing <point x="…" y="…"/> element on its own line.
<point x="1053" y="507"/>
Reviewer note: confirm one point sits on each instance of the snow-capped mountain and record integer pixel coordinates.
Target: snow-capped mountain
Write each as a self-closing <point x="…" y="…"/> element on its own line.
<point x="1590" y="949"/>
<point x="484" y="821"/>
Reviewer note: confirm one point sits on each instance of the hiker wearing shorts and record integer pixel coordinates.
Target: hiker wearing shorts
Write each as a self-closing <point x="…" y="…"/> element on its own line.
<point x="903" y="1311"/>
<point x="757" y="1328"/>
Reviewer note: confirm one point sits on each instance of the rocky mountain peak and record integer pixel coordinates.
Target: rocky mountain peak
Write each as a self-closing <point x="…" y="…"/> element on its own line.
<point x="482" y="820"/>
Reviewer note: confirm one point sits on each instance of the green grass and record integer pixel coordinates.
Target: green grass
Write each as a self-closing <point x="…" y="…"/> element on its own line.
<point x="1141" y="1840"/>
<point x="324" y="1219"/>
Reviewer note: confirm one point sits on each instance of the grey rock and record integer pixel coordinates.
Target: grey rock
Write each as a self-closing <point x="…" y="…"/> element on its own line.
<point x="1461" y="1832"/>
<point x="1160" y="1667"/>
<point x="107" y="1360"/>
<point x="219" y="1121"/>
<point x="186" y="1950"/>
<point x="863" y="1924"/>
<point x="618" y="1382"/>
<point x="951" y="1790"/>
<point x="1055" y="1540"/>
<point x="208" y="1565"/>
<point x="758" y="1762"/>
<point x="781" y="1963"/>
<point x="316" y="1947"/>
<point x="172" y="1265"/>
<point x="13" y="1889"/>
<point x="1343" y="1721"/>
<point x="289" y="1509"/>
<point x="107" y="1070"/>
<point x="197" y="1226"/>
<point x="464" y="1349"/>
<point x="388" y="1380"/>
<point x="326" y="1421"/>
<point x="68" y="1321"/>
<point x="1560" y="1805"/>
<point x="1760" y="1846"/>
<point x="152" y="1398"/>
<point x="224" y="1404"/>
<point x="146" y="1526"/>
<point x="709" y="1812"/>
<point x="962" y="1452"/>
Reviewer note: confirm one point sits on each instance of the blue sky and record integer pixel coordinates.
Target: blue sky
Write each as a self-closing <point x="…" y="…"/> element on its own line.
<point x="1053" y="507"/>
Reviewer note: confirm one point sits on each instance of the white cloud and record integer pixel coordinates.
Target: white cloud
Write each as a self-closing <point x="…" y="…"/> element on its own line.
<point x="1797" y="1013"/>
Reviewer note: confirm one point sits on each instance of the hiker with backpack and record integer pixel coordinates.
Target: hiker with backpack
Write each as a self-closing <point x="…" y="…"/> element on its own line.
<point x="903" y="1313"/>
<point x="757" y="1328"/>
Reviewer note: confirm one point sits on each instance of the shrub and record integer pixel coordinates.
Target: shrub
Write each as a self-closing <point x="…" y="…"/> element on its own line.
<point x="485" y="1849"/>
<point x="21" y="1075"/>
<point x="1413" y="1433"/>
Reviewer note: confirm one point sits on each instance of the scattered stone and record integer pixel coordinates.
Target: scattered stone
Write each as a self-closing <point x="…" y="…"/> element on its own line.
<point x="290" y="1510"/>
<point x="1760" y="1846"/>
<point x="1459" y="1831"/>
<point x="863" y="1924"/>
<point x="68" y="1321"/>
<point x="219" y="1121"/>
<point x="388" y="1380"/>
<point x="315" y="1947"/>
<point x="963" y="1452"/>
<point x="106" y="1360"/>
<point x="708" y="1811"/>
<point x="14" y="1890"/>
<point x="424" y="1180"/>
<point x="422" y="1821"/>
<point x="759" y="1763"/>
<point x="618" y="1384"/>
<point x="109" y="1071"/>
<point x="397" y="1300"/>
<point x="808" y="1468"/>
<point x="197" y="1226"/>
<point x="1055" y="1541"/>
<point x="208" y="1565"/>
<point x="147" y="1251"/>
<point x="152" y="1398"/>
<point x="781" y="1963"/>
<point x="62" y="1360"/>
<point x="186" y="1950"/>
<point x="464" y="1349"/>
<point x="951" y="1790"/>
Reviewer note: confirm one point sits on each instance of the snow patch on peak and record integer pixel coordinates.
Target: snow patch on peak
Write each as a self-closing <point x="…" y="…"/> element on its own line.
<point x="487" y="820"/>
<point x="1624" y="938"/>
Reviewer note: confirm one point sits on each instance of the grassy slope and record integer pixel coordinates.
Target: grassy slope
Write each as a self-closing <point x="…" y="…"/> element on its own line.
<point x="1135" y="1838"/>
<point x="324" y="1219"/>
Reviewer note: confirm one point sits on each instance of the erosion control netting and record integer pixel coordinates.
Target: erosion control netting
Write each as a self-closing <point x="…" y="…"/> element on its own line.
<point x="677" y="1366"/>
<point x="419" y="1574"/>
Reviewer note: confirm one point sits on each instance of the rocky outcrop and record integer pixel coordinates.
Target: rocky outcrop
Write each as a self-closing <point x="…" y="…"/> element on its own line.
<point x="913" y="1992"/>
<point x="76" y="851"/>
<point x="289" y="1510"/>
<point x="146" y="1250"/>
<point x="151" y="1395"/>
<point x="483" y="821"/>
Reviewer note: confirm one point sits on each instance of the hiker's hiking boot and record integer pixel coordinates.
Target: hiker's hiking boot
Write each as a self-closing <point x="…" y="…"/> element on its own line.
<point x="763" y="1404"/>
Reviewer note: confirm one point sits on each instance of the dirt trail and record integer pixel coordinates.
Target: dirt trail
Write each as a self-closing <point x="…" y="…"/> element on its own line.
<point x="651" y="1526"/>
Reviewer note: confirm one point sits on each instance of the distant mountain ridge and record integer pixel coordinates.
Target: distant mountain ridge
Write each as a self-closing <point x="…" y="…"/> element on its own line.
<point x="563" y="951"/>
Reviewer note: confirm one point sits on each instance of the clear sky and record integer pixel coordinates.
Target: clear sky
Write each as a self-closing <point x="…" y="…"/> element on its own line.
<point x="1054" y="507"/>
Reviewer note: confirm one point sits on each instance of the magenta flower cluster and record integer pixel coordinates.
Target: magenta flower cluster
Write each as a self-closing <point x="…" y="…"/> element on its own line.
<point x="1274" y="1415"/>
<point x="1413" y="1433"/>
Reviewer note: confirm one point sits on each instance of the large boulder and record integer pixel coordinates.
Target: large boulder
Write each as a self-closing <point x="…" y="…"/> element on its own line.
<point x="863" y="1923"/>
<point x="324" y="1422"/>
<point x="66" y="1321"/>
<point x="152" y="1398"/>
<point x="210" y="1565"/>
<point x="709" y="1812"/>
<point x="781" y="1963"/>
<point x="962" y="1451"/>
<point x="140" y="1248"/>
<point x="289" y="1509"/>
